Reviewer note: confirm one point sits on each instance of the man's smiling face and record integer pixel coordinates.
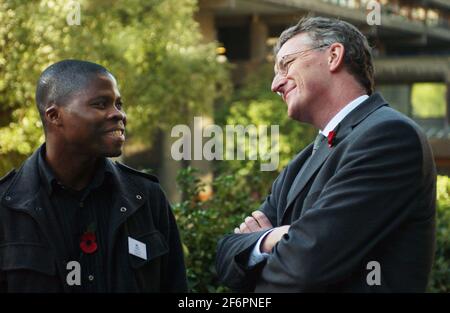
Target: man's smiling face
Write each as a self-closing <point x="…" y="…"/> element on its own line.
<point x="92" y="119"/>
<point x="305" y="77"/>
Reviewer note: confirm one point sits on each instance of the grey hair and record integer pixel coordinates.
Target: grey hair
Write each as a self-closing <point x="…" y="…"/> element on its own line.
<point x="326" y="31"/>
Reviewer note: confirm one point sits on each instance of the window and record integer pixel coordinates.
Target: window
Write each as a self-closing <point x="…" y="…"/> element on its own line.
<point x="236" y="40"/>
<point x="428" y="100"/>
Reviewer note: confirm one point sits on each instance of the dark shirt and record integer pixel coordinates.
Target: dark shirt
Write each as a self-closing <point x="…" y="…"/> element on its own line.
<point x="77" y="212"/>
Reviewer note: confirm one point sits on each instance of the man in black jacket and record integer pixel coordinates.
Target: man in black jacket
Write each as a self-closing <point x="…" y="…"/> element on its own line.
<point x="71" y="220"/>
<point x="353" y="212"/>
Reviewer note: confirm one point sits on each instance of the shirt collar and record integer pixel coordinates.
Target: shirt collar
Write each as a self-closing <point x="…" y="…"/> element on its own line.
<point x="103" y="173"/>
<point x="342" y="114"/>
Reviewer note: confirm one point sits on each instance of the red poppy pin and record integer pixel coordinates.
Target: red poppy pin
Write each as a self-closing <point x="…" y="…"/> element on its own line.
<point x="331" y="136"/>
<point x="88" y="242"/>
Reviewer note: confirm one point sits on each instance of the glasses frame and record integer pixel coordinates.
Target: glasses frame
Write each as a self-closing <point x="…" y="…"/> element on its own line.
<point x="288" y="63"/>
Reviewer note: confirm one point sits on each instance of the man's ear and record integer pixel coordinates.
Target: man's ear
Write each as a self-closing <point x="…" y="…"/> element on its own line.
<point x="336" y="56"/>
<point x="53" y="115"/>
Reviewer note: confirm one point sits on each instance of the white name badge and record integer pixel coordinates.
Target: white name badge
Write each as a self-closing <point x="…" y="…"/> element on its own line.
<point x="137" y="248"/>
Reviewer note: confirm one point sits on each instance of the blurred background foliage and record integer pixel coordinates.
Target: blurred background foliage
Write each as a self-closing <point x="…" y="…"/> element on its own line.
<point x="153" y="47"/>
<point x="203" y="223"/>
<point x="440" y="276"/>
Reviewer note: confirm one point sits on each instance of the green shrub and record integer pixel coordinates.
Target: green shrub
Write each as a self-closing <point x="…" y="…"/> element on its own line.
<point x="440" y="275"/>
<point x="203" y="223"/>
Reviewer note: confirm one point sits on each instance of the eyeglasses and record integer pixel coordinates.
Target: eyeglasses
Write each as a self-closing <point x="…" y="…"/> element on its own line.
<point x="282" y="66"/>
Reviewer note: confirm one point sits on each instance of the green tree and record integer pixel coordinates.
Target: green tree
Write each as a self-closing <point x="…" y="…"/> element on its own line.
<point x="153" y="47"/>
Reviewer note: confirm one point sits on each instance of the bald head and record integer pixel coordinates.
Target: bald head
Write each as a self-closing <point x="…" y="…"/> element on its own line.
<point x="62" y="80"/>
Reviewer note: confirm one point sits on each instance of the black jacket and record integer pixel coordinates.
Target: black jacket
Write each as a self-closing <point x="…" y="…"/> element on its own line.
<point x="32" y="253"/>
<point x="370" y="196"/>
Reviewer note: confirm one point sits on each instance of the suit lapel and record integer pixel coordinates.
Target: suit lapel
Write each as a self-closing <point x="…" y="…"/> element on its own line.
<point x="345" y="127"/>
<point x="313" y="165"/>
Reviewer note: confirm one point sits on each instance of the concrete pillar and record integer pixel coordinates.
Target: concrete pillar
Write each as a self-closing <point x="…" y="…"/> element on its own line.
<point x="205" y="18"/>
<point x="258" y="35"/>
<point x="205" y="167"/>
<point x="447" y="120"/>
<point x="169" y="169"/>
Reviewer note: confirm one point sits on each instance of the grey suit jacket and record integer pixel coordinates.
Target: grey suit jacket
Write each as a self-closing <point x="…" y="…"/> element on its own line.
<point x="368" y="197"/>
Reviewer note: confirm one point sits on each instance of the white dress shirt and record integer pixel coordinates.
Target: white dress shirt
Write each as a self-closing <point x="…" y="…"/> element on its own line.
<point x="256" y="256"/>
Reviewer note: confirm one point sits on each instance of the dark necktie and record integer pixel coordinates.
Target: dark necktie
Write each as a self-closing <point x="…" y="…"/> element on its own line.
<point x="317" y="142"/>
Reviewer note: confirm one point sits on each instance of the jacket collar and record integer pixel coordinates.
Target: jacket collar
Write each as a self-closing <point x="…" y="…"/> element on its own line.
<point x="27" y="183"/>
<point x="130" y="196"/>
<point x="340" y="116"/>
<point x="360" y="113"/>
<point x="24" y="186"/>
<point x="49" y="180"/>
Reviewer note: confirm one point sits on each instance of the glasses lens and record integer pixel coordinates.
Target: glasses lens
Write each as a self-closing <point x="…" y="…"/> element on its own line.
<point x="282" y="67"/>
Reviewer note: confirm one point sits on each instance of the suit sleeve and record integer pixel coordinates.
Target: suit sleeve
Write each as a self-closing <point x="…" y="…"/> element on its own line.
<point x="368" y="196"/>
<point x="233" y="251"/>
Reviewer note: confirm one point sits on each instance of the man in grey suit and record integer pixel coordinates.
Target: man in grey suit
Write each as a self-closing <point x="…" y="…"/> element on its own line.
<point x="355" y="210"/>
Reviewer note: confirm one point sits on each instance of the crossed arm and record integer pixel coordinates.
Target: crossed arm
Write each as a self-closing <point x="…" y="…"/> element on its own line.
<point x="258" y="221"/>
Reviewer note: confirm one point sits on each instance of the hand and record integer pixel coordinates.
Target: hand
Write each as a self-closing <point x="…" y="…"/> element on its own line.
<point x="258" y="221"/>
<point x="273" y="237"/>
